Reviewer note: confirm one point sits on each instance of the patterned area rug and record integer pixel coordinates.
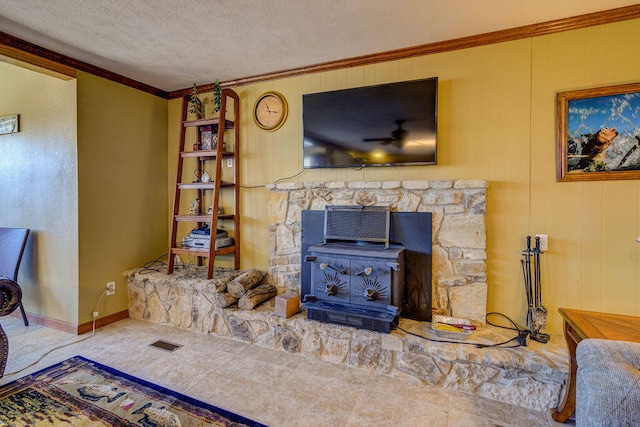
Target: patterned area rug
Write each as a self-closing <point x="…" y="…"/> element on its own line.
<point x="81" y="392"/>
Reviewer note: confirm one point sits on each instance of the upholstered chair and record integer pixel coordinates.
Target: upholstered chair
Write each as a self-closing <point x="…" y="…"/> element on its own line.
<point x="608" y="383"/>
<point x="10" y="298"/>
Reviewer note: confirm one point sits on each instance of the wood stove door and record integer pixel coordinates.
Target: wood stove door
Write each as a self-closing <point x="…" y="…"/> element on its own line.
<point x="370" y="283"/>
<point x="330" y="279"/>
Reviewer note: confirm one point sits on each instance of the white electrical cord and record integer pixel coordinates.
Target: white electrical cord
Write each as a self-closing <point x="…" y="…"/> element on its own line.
<point x="95" y="312"/>
<point x="93" y="331"/>
<point x="45" y="354"/>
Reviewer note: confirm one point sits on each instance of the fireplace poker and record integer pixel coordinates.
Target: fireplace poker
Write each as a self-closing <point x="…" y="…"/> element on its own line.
<point x="524" y="276"/>
<point x="528" y="282"/>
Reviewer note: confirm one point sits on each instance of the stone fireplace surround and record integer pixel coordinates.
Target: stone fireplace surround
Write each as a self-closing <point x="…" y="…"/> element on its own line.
<point x="458" y="209"/>
<point x="531" y="377"/>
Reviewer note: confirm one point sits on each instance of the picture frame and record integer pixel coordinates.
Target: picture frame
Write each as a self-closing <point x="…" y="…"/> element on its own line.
<point x="9" y="124"/>
<point x="206" y="138"/>
<point x="598" y="134"/>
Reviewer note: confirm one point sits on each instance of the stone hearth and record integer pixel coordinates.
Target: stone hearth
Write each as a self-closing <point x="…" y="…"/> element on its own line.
<point x="458" y="208"/>
<point x="531" y="377"/>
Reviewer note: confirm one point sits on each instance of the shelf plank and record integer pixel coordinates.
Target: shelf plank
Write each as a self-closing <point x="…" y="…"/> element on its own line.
<point x="196" y="185"/>
<point x="205" y="153"/>
<point x="201" y="218"/>
<point x="202" y="185"/>
<point x="203" y="252"/>
<point x="204" y="122"/>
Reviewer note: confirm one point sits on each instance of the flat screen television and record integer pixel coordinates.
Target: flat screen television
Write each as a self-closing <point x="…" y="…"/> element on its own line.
<point x="384" y="125"/>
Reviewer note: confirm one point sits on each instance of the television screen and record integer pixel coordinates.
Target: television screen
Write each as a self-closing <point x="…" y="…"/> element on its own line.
<point x="389" y="124"/>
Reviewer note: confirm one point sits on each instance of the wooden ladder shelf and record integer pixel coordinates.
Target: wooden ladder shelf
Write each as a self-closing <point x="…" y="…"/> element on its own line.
<point x="225" y="151"/>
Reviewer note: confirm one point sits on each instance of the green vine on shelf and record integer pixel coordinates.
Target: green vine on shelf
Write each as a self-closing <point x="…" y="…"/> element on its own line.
<point x="195" y="104"/>
<point x="217" y="96"/>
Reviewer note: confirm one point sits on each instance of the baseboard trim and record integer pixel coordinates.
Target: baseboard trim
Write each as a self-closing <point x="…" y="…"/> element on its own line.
<point x="71" y="328"/>
<point x="102" y="321"/>
<point x="37" y="319"/>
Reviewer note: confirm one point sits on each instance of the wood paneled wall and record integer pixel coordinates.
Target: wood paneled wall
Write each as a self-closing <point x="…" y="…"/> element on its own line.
<point x="496" y="121"/>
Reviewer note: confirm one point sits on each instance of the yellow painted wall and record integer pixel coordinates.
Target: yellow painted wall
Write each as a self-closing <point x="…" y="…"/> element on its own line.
<point x="122" y="158"/>
<point x="496" y="121"/>
<point x="38" y="187"/>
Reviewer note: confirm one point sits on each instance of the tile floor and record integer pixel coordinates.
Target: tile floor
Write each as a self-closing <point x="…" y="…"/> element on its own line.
<point x="272" y="387"/>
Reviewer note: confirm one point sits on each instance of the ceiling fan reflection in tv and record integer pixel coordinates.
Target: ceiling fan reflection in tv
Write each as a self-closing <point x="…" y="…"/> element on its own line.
<point x="398" y="136"/>
<point x="392" y="124"/>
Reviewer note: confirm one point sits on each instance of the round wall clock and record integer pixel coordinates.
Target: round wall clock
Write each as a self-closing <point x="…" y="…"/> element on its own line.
<point x="270" y="111"/>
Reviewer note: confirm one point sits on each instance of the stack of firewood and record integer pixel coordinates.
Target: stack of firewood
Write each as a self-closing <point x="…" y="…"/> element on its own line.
<point x="246" y="291"/>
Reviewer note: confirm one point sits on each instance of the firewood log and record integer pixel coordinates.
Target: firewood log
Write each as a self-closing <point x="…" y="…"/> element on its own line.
<point x="257" y="295"/>
<point x="241" y="284"/>
<point x="224" y="299"/>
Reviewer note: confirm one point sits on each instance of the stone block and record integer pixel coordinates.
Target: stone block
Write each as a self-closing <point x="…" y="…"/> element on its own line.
<point x="454" y="209"/>
<point x="284" y="240"/>
<point x="466" y="267"/>
<point x="469" y="302"/>
<point x="155" y="311"/>
<point x="422" y="367"/>
<point x="318" y="204"/>
<point x="477" y="202"/>
<point x="181" y="312"/>
<point x="365" y="198"/>
<point x="443" y="197"/>
<point x="336" y="185"/>
<point x="463" y="231"/>
<point x="391" y="185"/>
<point x="440" y="184"/>
<point x="369" y="354"/>
<point x="277" y="207"/>
<point x="312" y="344"/>
<point x="336" y="349"/>
<point x="415" y="184"/>
<point x="289" y="186"/>
<point x="317" y="184"/>
<point x="392" y="342"/>
<point x="287" y="340"/>
<point x="240" y="330"/>
<point x="474" y="254"/>
<point x="408" y="203"/>
<point x="440" y="262"/>
<point x="137" y="302"/>
<point x="470" y="183"/>
<point x="356" y="184"/>
<point x="468" y="376"/>
<point x="525" y="392"/>
<point x="220" y="327"/>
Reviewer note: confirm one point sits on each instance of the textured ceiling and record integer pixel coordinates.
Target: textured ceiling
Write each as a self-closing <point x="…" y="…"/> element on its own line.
<point x="172" y="44"/>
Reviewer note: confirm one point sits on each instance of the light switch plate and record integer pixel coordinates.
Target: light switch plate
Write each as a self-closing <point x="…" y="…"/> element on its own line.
<point x="544" y="241"/>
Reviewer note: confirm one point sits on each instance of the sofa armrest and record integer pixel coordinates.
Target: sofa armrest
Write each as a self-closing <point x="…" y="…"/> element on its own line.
<point x="608" y="383"/>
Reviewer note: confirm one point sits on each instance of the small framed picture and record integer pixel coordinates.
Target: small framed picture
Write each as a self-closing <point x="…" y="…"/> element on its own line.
<point x="598" y="134"/>
<point x="206" y="139"/>
<point x="9" y="124"/>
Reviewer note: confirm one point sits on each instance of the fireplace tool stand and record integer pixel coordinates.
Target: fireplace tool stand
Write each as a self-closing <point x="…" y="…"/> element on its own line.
<point x="536" y="312"/>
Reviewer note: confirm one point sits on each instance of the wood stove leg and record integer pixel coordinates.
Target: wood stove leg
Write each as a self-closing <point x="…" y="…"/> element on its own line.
<point x="568" y="405"/>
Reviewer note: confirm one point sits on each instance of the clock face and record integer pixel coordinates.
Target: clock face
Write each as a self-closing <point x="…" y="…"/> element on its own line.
<point x="270" y="111"/>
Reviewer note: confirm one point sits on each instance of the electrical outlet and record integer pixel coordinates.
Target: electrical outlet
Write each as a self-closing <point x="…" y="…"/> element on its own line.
<point x="95" y="314"/>
<point x="111" y="288"/>
<point x="229" y="163"/>
<point x="544" y="241"/>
